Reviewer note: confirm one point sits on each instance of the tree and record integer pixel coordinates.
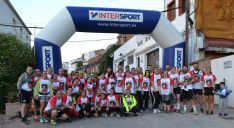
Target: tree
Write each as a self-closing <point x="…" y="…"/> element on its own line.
<point x="107" y="60"/>
<point x="15" y="56"/>
<point x="79" y="64"/>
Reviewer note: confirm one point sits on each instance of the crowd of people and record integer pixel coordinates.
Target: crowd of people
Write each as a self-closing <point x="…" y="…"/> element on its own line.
<point x="85" y="95"/>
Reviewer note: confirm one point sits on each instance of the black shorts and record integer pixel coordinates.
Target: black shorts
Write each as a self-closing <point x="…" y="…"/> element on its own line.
<point x="197" y="91"/>
<point x="59" y="114"/>
<point x="186" y="95"/>
<point x="26" y="97"/>
<point x="177" y="90"/>
<point x="208" y="91"/>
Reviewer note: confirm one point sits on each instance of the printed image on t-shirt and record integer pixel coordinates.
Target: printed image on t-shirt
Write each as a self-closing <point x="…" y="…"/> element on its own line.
<point x="44" y="87"/>
<point x="103" y="102"/>
<point x="128" y="85"/>
<point x="112" y="103"/>
<point x="129" y="101"/>
<point x="209" y="83"/>
<point x="164" y="86"/>
<point x="119" y="83"/>
<point x="61" y="86"/>
<point x="158" y="81"/>
<point x="145" y="85"/>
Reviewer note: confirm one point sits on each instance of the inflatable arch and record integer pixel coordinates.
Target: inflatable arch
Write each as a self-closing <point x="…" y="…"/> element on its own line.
<point x="106" y="20"/>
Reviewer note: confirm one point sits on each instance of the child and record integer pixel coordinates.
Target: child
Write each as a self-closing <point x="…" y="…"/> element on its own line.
<point x="223" y="94"/>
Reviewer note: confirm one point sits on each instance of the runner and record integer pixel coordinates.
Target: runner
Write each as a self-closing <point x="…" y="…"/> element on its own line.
<point x="110" y="82"/>
<point x="82" y="80"/>
<point x="208" y="81"/>
<point x="55" y="83"/>
<point x="95" y="101"/>
<point x="75" y="90"/>
<point x="197" y="86"/>
<point x="155" y="84"/>
<point x="62" y="80"/>
<point x="119" y="88"/>
<point x="102" y="83"/>
<point x="113" y="103"/>
<point x="24" y="86"/>
<point x="43" y="91"/>
<point x="166" y="90"/>
<point x="176" y="88"/>
<point x="168" y="69"/>
<point x="89" y="88"/>
<point x="186" y="79"/>
<point x="138" y="94"/>
<point x="119" y="69"/>
<point x="145" y="87"/>
<point x="129" y="102"/>
<point x="36" y="103"/>
<point x="130" y="83"/>
<point x="70" y="109"/>
<point x="49" y="73"/>
<point x="108" y="71"/>
<point x="102" y="105"/>
<point x="84" y="105"/>
<point x="54" y="108"/>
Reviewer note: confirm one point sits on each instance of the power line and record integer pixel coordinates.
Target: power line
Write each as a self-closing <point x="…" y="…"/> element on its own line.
<point x="19" y="26"/>
<point x="90" y="40"/>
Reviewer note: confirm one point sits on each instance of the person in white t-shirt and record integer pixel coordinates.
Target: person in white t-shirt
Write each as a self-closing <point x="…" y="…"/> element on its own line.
<point x="49" y="72"/>
<point x="102" y="83"/>
<point x="63" y="81"/>
<point x="208" y="81"/>
<point x="55" y="83"/>
<point x="155" y="84"/>
<point x="137" y="78"/>
<point x="166" y="89"/>
<point x="145" y="88"/>
<point x="186" y="80"/>
<point x="119" y="88"/>
<point x="197" y="86"/>
<point x="176" y="88"/>
<point x="54" y="108"/>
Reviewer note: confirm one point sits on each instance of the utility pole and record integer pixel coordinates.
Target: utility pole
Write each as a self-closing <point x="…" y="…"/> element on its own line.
<point x="187" y="6"/>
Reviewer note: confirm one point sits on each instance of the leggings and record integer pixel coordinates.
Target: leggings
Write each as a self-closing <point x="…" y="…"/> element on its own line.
<point x="156" y="99"/>
<point x="145" y="100"/>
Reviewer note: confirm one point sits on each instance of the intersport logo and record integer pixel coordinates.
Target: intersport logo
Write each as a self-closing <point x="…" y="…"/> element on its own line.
<point x="179" y="57"/>
<point x="115" y="16"/>
<point x="47" y="53"/>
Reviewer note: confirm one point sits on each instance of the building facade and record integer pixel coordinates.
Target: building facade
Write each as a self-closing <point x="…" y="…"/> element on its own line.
<point x="9" y="18"/>
<point x="210" y="30"/>
<point x="139" y="51"/>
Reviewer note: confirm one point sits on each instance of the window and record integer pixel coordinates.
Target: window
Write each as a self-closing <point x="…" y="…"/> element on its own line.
<point x="147" y="38"/>
<point x="140" y="43"/>
<point x="138" y="61"/>
<point x="171" y="14"/>
<point x="130" y="60"/>
<point x="182" y="5"/>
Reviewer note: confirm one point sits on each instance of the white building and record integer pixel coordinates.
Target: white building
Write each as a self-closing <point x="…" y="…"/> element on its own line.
<point x="8" y="18"/>
<point x="139" y="51"/>
<point x="71" y="65"/>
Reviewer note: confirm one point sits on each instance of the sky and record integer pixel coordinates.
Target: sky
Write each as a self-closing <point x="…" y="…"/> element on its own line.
<point x="40" y="12"/>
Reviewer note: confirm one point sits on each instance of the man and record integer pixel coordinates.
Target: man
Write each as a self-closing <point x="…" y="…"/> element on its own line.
<point x="149" y="67"/>
<point x="54" y="108"/>
<point x="36" y="77"/>
<point x="62" y="81"/>
<point x="119" y="69"/>
<point x="70" y="109"/>
<point x="49" y="72"/>
<point x="127" y="68"/>
<point x="137" y="77"/>
<point x="24" y="86"/>
<point x="129" y="102"/>
<point x="186" y="80"/>
<point x="197" y="86"/>
<point x="168" y="69"/>
<point x="139" y="71"/>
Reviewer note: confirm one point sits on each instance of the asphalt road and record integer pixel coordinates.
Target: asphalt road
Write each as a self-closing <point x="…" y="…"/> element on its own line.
<point x="146" y="120"/>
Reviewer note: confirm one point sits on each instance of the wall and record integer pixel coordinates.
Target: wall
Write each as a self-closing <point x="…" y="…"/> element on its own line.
<point x="221" y="73"/>
<point x="7" y="18"/>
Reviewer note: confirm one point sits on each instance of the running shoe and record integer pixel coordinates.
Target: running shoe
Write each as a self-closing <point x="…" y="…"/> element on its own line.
<point x="184" y="111"/>
<point x="118" y="115"/>
<point x="42" y="120"/>
<point x="155" y="111"/>
<point x="53" y="122"/>
<point x="23" y="121"/>
<point x="45" y="120"/>
<point x="158" y="110"/>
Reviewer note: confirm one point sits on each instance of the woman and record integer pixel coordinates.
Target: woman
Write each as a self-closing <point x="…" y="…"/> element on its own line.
<point x="43" y="92"/>
<point x="155" y="84"/>
<point x="110" y="82"/>
<point x="75" y="90"/>
<point x="176" y="88"/>
<point x="130" y="82"/>
<point x="113" y="103"/>
<point x="102" y="105"/>
<point x="89" y="88"/>
<point x="102" y="83"/>
<point x="95" y="100"/>
<point x="166" y="90"/>
<point x="82" y="80"/>
<point x="55" y="83"/>
<point x="145" y="87"/>
<point x="208" y="81"/>
<point x="130" y="103"/>
<point x="84" y="105"/>
<point x="119" y="88"/>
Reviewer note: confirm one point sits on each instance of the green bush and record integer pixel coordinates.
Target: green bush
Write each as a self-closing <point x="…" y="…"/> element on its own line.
<point x="15" y="56"/>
